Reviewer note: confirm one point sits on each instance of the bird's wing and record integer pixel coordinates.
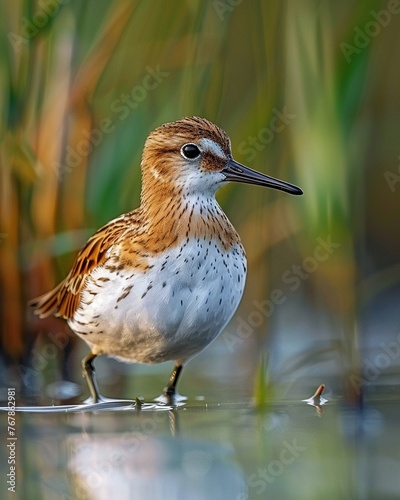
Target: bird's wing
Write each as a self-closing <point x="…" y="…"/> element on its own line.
<point x="63" y="300"/>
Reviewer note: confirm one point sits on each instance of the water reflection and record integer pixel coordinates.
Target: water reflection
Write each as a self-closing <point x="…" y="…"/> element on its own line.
<point x="104" y="405"/>
<point x="317" y="400"/>
<point x="361" y="423"/>
<point x="208" y="451"/>
<point x="142" y="465"/>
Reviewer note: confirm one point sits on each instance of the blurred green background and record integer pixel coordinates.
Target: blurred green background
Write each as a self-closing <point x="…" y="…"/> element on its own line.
<point x="308" y="92"/>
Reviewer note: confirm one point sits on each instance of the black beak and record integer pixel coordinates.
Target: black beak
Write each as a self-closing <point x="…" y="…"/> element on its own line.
<point x="237" y="172"/>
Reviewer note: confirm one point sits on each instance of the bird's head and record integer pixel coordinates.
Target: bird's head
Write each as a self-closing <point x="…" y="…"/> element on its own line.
<point x="192" y="155"/>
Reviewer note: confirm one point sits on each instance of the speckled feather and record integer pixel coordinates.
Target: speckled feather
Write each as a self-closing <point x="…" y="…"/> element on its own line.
<point x="160" y="282"/>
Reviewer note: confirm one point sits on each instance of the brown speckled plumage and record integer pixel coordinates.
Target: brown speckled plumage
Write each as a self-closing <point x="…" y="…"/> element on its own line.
<point x="162" y="281"/>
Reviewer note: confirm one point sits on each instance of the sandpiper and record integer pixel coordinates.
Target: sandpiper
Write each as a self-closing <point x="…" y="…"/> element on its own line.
<point x="161" y="282"/>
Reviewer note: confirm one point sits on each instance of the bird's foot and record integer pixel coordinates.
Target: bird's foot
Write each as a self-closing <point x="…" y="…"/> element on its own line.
<point x="172" y="398"/>
<point x="104" y="401"/>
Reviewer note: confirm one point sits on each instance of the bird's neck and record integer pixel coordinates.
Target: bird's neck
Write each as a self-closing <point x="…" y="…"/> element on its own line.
<point x="178" y="215"/>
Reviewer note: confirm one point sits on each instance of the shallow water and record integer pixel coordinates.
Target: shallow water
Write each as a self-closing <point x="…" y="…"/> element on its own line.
<point x="207" y="450"/>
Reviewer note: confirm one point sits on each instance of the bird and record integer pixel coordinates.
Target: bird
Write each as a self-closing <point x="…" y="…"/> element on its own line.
<point x="161" y="282"/>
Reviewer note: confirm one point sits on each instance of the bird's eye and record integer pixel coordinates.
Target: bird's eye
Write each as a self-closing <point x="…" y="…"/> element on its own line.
<point x="190" y="151"/>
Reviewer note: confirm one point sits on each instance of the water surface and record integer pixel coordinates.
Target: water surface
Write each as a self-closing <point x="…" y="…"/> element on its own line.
<point x="207" y="450"/>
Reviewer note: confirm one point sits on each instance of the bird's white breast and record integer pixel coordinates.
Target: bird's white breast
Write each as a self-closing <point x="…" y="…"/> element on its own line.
<point x="169" y="312"/>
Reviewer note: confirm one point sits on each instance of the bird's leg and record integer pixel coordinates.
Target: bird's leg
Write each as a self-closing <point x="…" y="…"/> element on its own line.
<point x="170" y="390"/>
<point x="88" y="375"/>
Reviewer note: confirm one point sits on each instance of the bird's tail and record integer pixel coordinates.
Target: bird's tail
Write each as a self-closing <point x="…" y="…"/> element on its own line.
<point x="46" y="304"/>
